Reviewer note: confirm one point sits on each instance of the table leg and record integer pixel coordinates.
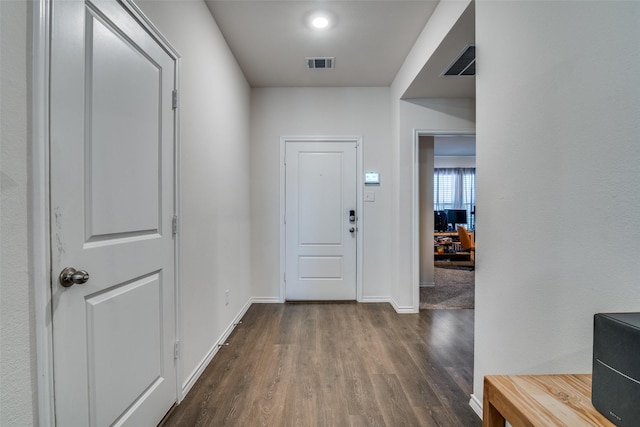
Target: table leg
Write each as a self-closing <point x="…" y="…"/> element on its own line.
<point x="490" y="415"/>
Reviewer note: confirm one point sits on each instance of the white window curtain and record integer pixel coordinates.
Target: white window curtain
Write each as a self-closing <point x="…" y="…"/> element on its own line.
<point x="455" y="188"/>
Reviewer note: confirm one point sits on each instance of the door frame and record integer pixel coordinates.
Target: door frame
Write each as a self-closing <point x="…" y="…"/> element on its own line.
<point x="41" y="278"/>
<point x="359" y="204"/>
<point x="415" y="205"/>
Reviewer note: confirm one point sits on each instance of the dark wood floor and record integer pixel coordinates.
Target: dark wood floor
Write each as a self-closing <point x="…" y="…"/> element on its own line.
<point x="338" y="365"/>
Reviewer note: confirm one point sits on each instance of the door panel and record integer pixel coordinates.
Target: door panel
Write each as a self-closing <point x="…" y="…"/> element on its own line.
<point x="112" y="204"/>
<point x="136" y="326"/>
<point x="320" y="207"/>
<point x="122" y="133"/>
<point x="317" y="267"/>
<point x="320" y="248"/>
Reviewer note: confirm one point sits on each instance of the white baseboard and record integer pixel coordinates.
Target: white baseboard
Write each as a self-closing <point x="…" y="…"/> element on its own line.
<point x="193" y="377"/>
<point x="476" y="405"/>
<point x="406" y="309"/>
<point x="374" y="299"/>
<point x="364" y="300"/>
<point x="266" y="300"/>
<point x="427" y="284"/>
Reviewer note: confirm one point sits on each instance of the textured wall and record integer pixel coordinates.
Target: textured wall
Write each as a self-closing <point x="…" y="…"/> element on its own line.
<point x="17" y="347"/>
<point x="214" y="108"/>
<point x="558" y="181"/>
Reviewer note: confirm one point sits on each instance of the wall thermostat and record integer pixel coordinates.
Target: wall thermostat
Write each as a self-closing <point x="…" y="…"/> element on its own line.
<point x="372" y="178"/>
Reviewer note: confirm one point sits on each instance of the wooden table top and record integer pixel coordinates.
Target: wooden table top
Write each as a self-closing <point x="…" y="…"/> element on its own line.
<point x="542" y="400"/>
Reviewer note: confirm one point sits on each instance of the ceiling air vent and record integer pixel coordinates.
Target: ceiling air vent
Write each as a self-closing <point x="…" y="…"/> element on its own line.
<point x="320" y="63"/>
<point x="465" y="65"/>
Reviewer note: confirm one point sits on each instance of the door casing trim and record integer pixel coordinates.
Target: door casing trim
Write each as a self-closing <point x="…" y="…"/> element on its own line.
<point x="40" y="256"/>
<point x="358" y="140"/>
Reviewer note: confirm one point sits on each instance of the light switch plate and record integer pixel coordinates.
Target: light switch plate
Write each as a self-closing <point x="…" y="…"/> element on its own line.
<point x="369" y="196"/>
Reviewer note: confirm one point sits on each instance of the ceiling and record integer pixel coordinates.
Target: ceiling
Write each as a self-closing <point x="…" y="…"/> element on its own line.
<point x="369" y="39"/>
<point x="430" y="83"/>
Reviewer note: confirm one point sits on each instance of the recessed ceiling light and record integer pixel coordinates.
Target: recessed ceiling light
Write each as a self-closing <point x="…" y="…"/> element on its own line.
<point x="320" y="22"/>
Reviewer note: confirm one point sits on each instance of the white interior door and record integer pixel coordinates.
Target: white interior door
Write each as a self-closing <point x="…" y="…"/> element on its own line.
<point x="321" y="240"/>
<point x="112" y="206"/>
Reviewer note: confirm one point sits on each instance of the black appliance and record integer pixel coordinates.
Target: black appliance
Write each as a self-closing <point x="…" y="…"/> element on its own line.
<point x="615" y="389"/>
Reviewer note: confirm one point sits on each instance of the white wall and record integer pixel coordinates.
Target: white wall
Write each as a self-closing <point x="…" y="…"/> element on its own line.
<point x="558" y="180"/>
<point x="280" y="112"/>
<point x="425" y="184"/>
<point x="455" y="115"/>
<point x="454" y="162"/>
<point x="18" y="406"/>
<point x="215" y="220"/>
<point x="429" y="115"/>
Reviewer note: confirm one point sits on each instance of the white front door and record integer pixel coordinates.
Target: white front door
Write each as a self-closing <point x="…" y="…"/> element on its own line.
<point x="320" y="235"/>
<point x="112" y="206"/>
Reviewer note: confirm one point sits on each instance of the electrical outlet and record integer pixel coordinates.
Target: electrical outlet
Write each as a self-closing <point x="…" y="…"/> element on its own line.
<point x="226" y="297"/>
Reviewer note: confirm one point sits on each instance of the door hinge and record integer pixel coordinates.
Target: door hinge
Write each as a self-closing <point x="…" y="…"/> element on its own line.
<point x="284" y="276"/>
<point x="284" y="219"/>
<point x="174" y="225"/>
<point x="174" y="99"/>
<point x="176" y="350"/>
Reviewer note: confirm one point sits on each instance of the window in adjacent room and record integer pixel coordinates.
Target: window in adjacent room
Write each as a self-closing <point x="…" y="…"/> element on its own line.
<point x="455" y="188"/>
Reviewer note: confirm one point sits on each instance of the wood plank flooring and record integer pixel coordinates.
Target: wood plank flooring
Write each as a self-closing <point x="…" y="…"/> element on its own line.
<point x="337" y="365"/>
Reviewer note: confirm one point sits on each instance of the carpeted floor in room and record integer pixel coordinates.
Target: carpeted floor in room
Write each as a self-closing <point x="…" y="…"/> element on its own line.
<point x="454" y="288"/>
